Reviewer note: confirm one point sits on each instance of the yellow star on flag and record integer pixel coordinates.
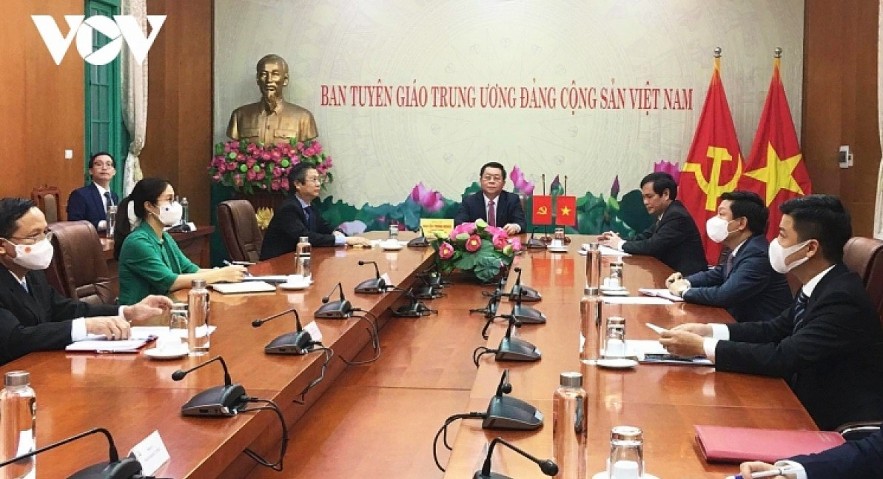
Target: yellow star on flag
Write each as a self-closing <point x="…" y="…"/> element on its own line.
<point x="565" y="211"/>
<point x="778" y="174"/>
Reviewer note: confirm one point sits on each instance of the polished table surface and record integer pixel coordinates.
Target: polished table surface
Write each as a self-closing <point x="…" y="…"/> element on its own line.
<point x="378" y="420"/>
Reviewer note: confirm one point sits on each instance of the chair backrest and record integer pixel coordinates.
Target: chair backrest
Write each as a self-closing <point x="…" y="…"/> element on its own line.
<point x="239" y="230"/>
<point x="48" y="199"/>
<point x="864" y="256"/>
<point x="79" y="263"/>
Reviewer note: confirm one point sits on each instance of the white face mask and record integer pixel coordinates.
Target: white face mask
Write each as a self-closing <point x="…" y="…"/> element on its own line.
<point x="717" y="228"/>
<point x="778" y="255"/>
<point x="170" y="214"/>
<point x="34" y="256"/>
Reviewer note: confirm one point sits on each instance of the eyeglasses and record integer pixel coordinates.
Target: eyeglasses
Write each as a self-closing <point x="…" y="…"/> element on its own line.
<point x="492" y="178"/>
<point x="315" y="180"/>
<point x="33" y="239"/>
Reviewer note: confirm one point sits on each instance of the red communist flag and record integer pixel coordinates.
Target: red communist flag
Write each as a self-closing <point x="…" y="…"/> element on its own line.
<point x="775" y="169"/>
<point x="566" y="209"/>
<point x="542" y="210"/>
<point x="714" y="162"/>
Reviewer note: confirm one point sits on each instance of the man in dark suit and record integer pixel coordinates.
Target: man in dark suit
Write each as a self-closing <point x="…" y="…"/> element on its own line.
<point x="298" y="216"/>
<point x="862" y="458"/>
<point x="673" y="238"/>
<point x="744" y="282"/>
<point x="828" y="345"/>
<point x="497" y="207"/>
<point x="33" y="316"/>
<point x="91" y="201"/>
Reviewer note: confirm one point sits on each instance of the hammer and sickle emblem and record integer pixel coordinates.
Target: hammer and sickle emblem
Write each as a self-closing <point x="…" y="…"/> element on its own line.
<point x="711" y="186"/>
<point x="542" y="210"/>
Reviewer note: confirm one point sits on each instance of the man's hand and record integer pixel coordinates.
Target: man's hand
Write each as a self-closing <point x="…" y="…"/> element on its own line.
<point x="611" y="239"/>
<point x="357" y="241"/>
<point x="682" y="343"/>
<point x="112" y="327"/>
<point x="147" y="308"/>
<point x="672" y="278"/>
<point x="678" y="287"/>
<point x="512" y="229"/>
<point x="749" y="467"/>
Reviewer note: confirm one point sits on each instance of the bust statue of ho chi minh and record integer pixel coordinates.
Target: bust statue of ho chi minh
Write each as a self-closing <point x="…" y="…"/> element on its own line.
<point x="272" y="120"/>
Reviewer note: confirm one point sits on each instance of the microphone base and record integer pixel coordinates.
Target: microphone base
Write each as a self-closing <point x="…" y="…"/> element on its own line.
<point x="371" y="286"/>
<point x="527" y="294"/>
<point x="418" y="242"/>
<point x="219" y="401"/>
<point x="528" y="315"/>
<point x="508" y="413"/>
<point x="515" y="349"/>
<point x="493" y="475"/>
<point x="334" y="310"/>
<point x="295" y="343"/>
<point x="123" y="469"/>
<point x="426" y="292"/>
<point x="414" y="310"/>
<point x="535" y="243"/>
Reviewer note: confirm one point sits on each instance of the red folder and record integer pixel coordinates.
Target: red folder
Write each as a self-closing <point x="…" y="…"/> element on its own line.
<point x="737" y="444"/>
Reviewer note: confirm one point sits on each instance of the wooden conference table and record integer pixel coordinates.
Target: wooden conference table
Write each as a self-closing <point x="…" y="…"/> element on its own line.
<point x="368" y="421"/>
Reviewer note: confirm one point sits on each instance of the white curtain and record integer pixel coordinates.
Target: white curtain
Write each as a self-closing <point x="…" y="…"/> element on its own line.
<point x="878" y="209"/>
<point x="134" y="98"/>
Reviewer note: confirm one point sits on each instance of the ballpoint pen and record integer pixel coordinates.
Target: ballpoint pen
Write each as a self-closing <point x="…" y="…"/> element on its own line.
<point x="779" y="471"/>
<point x="235" y="263"/>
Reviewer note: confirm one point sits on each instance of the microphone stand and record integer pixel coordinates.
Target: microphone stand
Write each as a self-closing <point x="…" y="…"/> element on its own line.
<point x="219" y="401"/>
<point x="548" y="466"/>
<point x="296" y="343"/>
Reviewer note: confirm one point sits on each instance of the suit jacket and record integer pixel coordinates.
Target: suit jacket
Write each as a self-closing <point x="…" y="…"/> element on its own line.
<point x="508" y="209"/>
<point x="673" y="239"/>
<point x="833" y="360"/>
<point x="863" y="458"/>
<point x="87" y="204"/>
<point x="752" y="291"/>
<point x="289" y="223"/>
<point x="39" y="320"/>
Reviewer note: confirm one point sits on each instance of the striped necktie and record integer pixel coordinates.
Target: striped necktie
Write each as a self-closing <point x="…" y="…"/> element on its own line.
<point x="108" y="198"/>
<point x="800" y="308"/>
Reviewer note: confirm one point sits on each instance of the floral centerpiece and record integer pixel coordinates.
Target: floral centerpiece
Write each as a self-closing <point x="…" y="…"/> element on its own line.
<point x="476" y="247"/>
<point x="253" y="167"/>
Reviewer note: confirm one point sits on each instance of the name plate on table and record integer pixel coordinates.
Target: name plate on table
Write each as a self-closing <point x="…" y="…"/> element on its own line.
<point x="431" y="225"/>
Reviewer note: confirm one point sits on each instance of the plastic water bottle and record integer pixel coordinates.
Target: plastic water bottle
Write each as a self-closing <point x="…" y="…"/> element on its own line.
<point x="198" y="339"/>
<point x="185" y="211"/>
<point x="303" y="251"/>
<point x="590" y="320"/>
<point x="570" y="426"/>
<point x="593" y="266"/>
<point x="18" y="419"/>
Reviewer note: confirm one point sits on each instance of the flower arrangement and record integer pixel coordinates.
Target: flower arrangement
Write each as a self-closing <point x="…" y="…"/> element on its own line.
<point x="254" y="167"/>
<point x="478" y="247"/>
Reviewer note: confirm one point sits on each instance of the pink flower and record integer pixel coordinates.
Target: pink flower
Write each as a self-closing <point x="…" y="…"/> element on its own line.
<point x="250" y="162"/>
<point x="277" y="172"/>
<point x="516" y="244"/>
<point x="463" y="228"/>
<point x="283" y="183"/>
<point x="520" y="184"/>
<point x="500" y="240"/>
<point x="216" y="177"/>
<point x="473" y="244"/>
<point x="274" y="185"/>
<point x="428" y="199"/>
<point x="445" y="250"/>
<point x="495" y="230"/>
<point x="668" y="167"/>
<point x="250" y="175"/>
<point x="237" y="179"/>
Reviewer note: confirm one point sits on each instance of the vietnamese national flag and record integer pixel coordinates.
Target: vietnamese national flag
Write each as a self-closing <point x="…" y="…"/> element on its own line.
<point x="775" y="169"/>
<point x="714" y="163"/>
<point x="542" y="210"/>
<point x="566" y="211"/>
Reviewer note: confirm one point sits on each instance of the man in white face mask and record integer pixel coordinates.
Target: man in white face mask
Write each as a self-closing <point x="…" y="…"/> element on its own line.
<point x="828" y="344"/>
<point x="744" y="282"/>
<point x="33" y="316"/>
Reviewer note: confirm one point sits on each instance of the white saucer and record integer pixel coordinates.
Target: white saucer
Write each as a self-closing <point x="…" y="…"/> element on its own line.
<point x="295" y="286"/>
<point x="616" y="363"/>
<point x="557" y="249"/>
<point x="155" y="353"/>
<point x="612" y="288"/>
<point x="615" y="292"/>
<point x="603" y="475"/>
<point x="391" y="247"/>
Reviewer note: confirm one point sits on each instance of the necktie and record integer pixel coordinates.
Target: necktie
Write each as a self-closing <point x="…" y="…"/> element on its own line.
<point x="24" y="284"/>
<point x="108" y="198"/>
<point x="728" y="268"/>
<point x="491" y="213"/>
<point x="800" y="308"/>
<point x="308" y="211"/>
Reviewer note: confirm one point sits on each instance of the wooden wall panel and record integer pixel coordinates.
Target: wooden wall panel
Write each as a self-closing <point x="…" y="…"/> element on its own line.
<point x="42" y="102"/>
<point x="840" y="102"/>
<point x="179" y="131"/>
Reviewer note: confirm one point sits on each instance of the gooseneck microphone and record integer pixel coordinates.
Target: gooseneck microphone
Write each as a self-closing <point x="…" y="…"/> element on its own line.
<point x="420" y="241"/>
<point x="525" y="314"/>
<point x="414" y="309"/>
<point x="219" y="401"/>
<point x="548" y="466"/>
<point x="340" y="309"/>
<point x="112" y="469"/>
<point x="513" y="348"/>
<point x="297" y="342"/>
<point x="375" y="285"/>
<point x="523" y="292"/>
<point x="534" y="243"/>
<point x="509" y="413"/>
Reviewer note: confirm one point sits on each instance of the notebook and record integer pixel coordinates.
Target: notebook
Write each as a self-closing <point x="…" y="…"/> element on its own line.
<point x="661" y="293"/>
<point x="737" y="444"/>
<point x="244" y="287"/>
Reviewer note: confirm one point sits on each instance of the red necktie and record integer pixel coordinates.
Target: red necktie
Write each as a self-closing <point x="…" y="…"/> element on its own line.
<point x="491" y="214"/>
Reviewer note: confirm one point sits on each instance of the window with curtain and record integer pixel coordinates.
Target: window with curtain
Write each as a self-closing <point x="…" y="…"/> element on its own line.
<point x="104" y="123"/>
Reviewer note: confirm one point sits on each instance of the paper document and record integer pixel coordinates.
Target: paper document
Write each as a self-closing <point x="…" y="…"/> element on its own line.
<point x="635" y="300"/>
<point x="273" y="278"/>
<point x="244" y="287"/>
<point x="662" y="293"/>
<point x="651" y="351"/>
<point x="105" y="346"/>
